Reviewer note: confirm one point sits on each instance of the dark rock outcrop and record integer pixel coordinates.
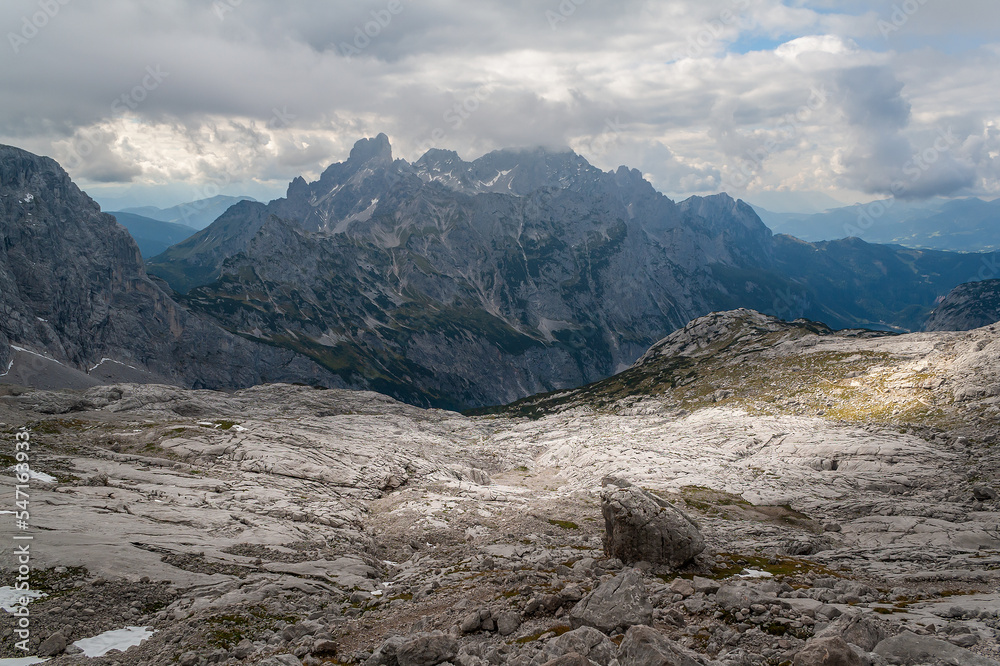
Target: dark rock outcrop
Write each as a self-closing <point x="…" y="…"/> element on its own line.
<point x="620" y="602"/>
<point x="642" y="527"/>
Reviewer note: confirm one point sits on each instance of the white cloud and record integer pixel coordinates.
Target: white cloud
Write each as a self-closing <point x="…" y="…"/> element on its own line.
<point x="701" y="95"/>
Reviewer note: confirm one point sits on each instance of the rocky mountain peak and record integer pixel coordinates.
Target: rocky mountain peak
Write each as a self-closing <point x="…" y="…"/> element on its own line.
<point x="376" y="149"/>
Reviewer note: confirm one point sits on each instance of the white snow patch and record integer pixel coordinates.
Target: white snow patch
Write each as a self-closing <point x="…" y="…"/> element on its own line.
<point x="110" y="360"/>
<point x="28" y="198"/>
<point x="118" y="639"/>
<point x="9" y="366"/>
<point x="40" y="319"/>
<point x="754" y="573"/>
<point x="36" y="476"/>
<point x="10" y="597"/>
<point x="28" y="351"/>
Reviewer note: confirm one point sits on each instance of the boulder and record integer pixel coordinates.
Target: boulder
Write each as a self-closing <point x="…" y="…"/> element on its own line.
<point x="644" y="646"/>
<point x="427" y="649"/>
<point x="507" y="623"/>
<point x="829" y="651"/>
<point x="909" y="648"/>
<point x="735" y="597"/>
<point x="642" y="527"/>
<point x="857" y="629"/>
<point x="571" y="659"/>
<point x="621" y="602"/>
<point x="53" y="645"/>
<point x="585" y="641"/>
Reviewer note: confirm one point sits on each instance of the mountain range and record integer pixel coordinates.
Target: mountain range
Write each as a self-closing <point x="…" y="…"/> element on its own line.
<point x="152" y="236"/>
<point x="443" y="282"/>
<point x="456" y="283"/>
<point x="961" y="225"/>
<point x="196" y="214"/>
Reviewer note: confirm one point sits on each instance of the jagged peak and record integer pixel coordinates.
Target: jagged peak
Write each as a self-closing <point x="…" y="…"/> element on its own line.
<point x="377" y="148"/>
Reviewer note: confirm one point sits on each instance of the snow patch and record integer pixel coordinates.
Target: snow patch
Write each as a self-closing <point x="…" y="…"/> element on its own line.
<point x="9" y="366"/>
<point x="118" y="639"/>
<point x="28" y="198"/>
<point x="110" y="360"/>
<point x="754" y="573"/>
<point x="9" y="597"/>
<point x="37" y="476"/>
<point x="28" y="351"/>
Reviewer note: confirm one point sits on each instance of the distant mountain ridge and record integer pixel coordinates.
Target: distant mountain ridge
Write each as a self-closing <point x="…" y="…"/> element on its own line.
<point x="152" y="236"/>
<point x="961" y="225"/>
<point x="196" y="214"/>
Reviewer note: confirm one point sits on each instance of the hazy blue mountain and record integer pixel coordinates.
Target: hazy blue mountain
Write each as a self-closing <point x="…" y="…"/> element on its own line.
<point x="963" y="225"/>
<point x="461" y="283"/>
<point x="196" y="214"/>
<point x="152" y="236"/>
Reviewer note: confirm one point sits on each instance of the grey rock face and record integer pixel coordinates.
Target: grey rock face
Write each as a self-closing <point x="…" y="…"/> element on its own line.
<point x="909" y="648"/>
<point x="968" y="306"/>
<point x="644" y="646"/>
<point x="426" y="650"/>
<point x="641" y="527"/>
<point x="73" y="289"/>
<point x="856" y="629"/>
<point x="621" y="602"/>
<point x="585" y="641"/>
<point x="830" y="651"/>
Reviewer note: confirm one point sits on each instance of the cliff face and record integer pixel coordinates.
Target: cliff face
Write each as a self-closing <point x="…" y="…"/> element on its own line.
<point x="968" y="306"/>
<point x="73" y="288"/>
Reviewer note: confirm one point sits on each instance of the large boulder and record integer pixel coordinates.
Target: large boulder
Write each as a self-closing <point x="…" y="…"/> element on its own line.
<point x="855" y="628"/>
<point x="829" y="651"/>
<point x="643" y="527"/>
<point x="617" y="603"/>
<point x="427" y="649"/>
<point x="585" y="641"/>
<point x="908" y="648"/>
<point x="644" y="646"/>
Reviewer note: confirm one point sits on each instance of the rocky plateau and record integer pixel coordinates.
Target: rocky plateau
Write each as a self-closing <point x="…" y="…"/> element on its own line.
<point x="812" y="497"/>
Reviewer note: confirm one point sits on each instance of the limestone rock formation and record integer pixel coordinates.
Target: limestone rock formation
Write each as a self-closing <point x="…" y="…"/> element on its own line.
<point x="620" y="602"/>
<point x="644" y="528"/>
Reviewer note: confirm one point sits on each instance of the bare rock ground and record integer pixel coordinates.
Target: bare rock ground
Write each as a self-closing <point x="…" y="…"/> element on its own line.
<point x="845" y="487"/>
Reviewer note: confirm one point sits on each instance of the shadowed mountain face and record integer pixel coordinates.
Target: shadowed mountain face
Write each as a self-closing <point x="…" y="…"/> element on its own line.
<point x="458" y="284"/>
<point x="968" y="306"/>
<point x="76" y="299"/>
<point x="466" y="283"/>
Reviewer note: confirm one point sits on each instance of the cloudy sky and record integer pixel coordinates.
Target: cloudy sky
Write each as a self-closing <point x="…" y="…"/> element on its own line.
<point x="170" y="100"/>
